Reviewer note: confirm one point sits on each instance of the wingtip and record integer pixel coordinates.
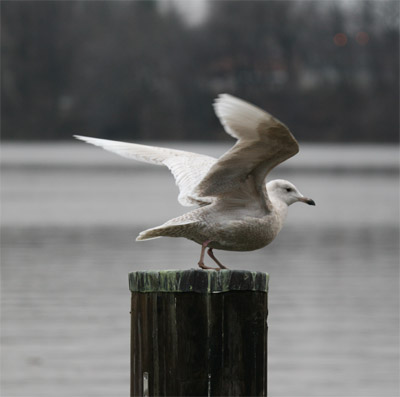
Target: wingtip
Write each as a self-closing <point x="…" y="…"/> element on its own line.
<point x="229" y="100"/>
<point x="223" y="96"/>
<point x="80" y="137"/>
<point x="223" y="100"/>
<point x="88" y="139"/>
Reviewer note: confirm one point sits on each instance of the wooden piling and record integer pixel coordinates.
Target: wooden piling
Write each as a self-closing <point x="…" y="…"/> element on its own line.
<point x="199" y="333"/>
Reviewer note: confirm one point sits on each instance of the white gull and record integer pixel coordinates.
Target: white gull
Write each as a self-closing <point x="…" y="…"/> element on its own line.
<point x="236" y="209"/>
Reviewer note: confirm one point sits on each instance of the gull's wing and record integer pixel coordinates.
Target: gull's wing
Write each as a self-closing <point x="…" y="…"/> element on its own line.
<point x="263" y="143"/>
<point x="187" y="168"/>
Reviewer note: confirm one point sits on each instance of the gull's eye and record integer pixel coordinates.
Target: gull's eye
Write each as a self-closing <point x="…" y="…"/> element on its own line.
<point x="289" y="189"/>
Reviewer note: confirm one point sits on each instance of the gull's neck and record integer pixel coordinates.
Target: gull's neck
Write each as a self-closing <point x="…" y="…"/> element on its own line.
<point x="280" y="207"/>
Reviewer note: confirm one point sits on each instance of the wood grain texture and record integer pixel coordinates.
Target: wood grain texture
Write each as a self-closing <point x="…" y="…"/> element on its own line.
<point x="200" y="343"/>
<point x="197" y="280"/>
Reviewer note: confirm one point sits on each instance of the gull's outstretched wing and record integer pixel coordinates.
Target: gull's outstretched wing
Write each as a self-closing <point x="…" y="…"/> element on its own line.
<point x="187" y="168"/>
<point x="263" y="143"/>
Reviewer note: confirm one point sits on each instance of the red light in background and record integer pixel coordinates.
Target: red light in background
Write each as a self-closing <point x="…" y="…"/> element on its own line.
<point x="362" y="38"/>
<point x="340" y="39"/>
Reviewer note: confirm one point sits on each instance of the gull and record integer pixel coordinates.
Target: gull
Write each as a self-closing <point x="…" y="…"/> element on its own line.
<point x="236" y="210"/>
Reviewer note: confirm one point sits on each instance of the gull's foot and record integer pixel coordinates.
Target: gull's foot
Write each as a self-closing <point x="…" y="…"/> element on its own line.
<point x="201" y="261"/>
<point x="204" y="267"/>
<point x="211" y="254"/>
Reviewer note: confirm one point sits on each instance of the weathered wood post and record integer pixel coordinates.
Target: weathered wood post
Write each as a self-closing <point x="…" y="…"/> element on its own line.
<point x="199" y="333"/>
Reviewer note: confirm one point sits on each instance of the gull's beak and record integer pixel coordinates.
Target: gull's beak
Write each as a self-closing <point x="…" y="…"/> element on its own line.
<point x="307" y="200"/>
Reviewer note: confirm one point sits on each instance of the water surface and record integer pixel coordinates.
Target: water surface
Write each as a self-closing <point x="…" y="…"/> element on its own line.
<point x="69" y="220"/>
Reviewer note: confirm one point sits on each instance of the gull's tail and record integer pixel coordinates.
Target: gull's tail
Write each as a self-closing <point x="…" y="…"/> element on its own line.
<point x="173" y="228"/>
<point x="149" y="234"/>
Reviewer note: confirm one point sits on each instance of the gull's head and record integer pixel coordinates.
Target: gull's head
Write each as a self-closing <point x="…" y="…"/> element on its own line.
<point x="286" y="192"/>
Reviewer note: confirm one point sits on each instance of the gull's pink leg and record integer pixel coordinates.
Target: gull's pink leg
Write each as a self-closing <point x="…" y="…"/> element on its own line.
<point x="201" y="261"/>
<point x="211" y="254"/>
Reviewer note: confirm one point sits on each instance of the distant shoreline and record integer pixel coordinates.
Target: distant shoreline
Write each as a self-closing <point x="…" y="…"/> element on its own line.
<point x="312" y="159"/>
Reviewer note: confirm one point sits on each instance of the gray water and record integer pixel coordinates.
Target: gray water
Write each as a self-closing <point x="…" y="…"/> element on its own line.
<point x="70" y="214"/>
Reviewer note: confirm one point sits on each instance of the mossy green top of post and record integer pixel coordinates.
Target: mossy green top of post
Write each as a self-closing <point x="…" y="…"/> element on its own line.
<point x="197" y="280"/>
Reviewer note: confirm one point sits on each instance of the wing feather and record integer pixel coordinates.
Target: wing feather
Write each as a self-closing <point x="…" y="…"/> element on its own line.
<point x="263" y="143"/>
<point x="187" y="168"/>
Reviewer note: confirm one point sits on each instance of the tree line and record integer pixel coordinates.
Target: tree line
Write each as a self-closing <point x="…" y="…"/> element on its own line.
<point x="125" y="70"/>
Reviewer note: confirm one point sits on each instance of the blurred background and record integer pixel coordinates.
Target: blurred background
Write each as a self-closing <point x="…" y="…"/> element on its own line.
<point x="148" y="71"/>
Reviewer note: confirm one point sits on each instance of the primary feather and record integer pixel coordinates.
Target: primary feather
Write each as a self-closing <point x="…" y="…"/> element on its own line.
<point x="263" y="143"/>
<point x="187" y="168"/>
